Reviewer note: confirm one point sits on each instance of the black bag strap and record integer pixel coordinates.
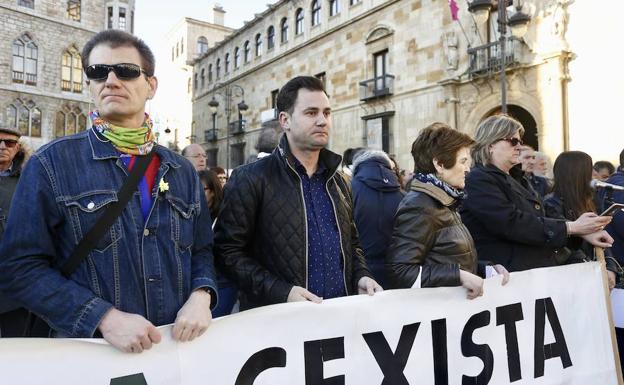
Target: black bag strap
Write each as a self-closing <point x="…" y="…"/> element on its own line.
<point x="88" y="242"/>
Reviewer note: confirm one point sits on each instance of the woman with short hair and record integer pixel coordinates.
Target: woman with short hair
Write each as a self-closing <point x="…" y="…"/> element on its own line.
<point x="507" y="220"/>
<point x="430" y="245"/>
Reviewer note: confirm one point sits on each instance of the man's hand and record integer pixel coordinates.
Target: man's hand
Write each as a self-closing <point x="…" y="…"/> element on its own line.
<point x="367" y="285"/>
<point x="500" y="269"/>
<point x="298" y="293"/>
<point x="599" y="238"/>
<point x="472" y="283"/>
<point x="193" y="318"/>
<point x="128" y="332"/>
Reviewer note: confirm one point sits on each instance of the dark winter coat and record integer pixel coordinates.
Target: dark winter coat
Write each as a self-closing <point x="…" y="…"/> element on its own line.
<point x="508" y="223"/>
<point x="376" y="196"/>
<point x="428" y="233"/>
<point x="261" y="234"/>
<point x="616" y="227"/>
<point x="7" y="189"/>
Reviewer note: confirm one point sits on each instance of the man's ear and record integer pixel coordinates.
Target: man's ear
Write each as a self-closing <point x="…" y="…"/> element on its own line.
<point x="284" y="120"/>
<point x="153" y="83"/>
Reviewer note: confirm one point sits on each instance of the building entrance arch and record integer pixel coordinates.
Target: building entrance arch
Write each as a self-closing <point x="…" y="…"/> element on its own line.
<point x="524" y="117"/>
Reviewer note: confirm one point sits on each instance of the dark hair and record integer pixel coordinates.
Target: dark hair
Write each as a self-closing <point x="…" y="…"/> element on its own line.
<point x="622" y="160"/>
<point x="218" y="170"/>
<point x="438" y="141"/>
<point x="397" y="171"/>
<point x="287" y="95"/>
<point x="210" y="179"/>
<point x="269" y="136"/>
<point x="573" y="172"/>
<point x="115" y="38"/>
<point x="604" y="164"/>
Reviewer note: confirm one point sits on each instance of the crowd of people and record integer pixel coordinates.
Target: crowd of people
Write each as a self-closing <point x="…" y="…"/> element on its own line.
<point x="108" y="234"/>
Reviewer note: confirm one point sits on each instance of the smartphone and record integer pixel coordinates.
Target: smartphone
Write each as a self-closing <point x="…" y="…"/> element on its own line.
<point x="613" y="209"/>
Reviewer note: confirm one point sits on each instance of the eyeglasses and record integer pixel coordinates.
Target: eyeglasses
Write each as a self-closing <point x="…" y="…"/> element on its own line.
<point x="123" y="71"/>
<point x="513" y="141"/>
<point x="9" y="143"/>
<point x="197" y="156"/>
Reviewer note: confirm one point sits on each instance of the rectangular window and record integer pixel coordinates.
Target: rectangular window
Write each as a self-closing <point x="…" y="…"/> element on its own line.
<point x="109" y="23"/>
<point x="73" y="10"/>
<point x="27" y="3"/>
<point x="274" y="98"/>
<point x="237" y="154"/>
<point x="211" y="157"/>
<point x="380" y="62"/>
<point x="122" y="18"/>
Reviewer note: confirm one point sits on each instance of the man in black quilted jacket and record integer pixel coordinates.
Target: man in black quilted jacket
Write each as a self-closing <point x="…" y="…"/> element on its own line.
<point x="286" y="230"/>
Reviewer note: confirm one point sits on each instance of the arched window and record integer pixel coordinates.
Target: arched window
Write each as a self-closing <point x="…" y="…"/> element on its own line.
<point x="210" y="73"/>
<point x="334" y="7"/>
<point x="25" y="54"/>
<point x="26" y="117"/>
<point x="246" y="51"/>
<point x="71" y="71"/>
<point x="69" y="121"/>
<point x="202" y="78"/>
<point x="236" y="57"/>
<point x="270" y="38"/>
<point x="316" y="12"/>
<point x="227" y="62"/>
<point x="73" y="10"/>
<point x="202" y="45"/>
<point x="258" y="45"/>
<point x="284" y="30"/>
<point x="181" y="45"/>
<point x="299" y="21"/>
<point x="195" y="81"/>
<point x="218" y="70"/>
<point x="177" y="49"/>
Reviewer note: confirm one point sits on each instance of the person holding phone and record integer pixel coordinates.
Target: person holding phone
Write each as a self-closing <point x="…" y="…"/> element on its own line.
<point x="505" y="217"/>
<point x="571" y="197"/>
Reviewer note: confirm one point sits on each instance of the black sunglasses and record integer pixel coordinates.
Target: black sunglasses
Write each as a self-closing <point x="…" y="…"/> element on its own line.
<point x="122" y="71"/>
<point x="9" y="143"/>
<point x="513" y="141"/>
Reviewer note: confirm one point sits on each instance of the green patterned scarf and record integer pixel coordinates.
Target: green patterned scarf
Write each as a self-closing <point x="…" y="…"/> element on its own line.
<point x="133" y="141"/>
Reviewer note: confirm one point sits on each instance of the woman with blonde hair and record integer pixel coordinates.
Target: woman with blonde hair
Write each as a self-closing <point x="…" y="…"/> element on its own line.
<point x="506" y="219"/>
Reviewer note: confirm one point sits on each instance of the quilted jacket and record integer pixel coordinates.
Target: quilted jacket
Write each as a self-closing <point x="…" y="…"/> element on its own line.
<point x="261" y="234"/>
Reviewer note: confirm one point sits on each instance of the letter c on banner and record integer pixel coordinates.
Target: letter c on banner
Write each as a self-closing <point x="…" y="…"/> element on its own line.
<point x="259" y="362"/>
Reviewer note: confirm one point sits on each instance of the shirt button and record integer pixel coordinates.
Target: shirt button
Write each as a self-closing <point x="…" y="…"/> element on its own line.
<point x="146" y="232"/>
<point x="537" y="206"/>
<point x="91" y="205"/>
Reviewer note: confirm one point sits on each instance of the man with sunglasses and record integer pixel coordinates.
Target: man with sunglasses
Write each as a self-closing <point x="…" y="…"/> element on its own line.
<point x="13" y="318"/>
<point x="154" y="265"/>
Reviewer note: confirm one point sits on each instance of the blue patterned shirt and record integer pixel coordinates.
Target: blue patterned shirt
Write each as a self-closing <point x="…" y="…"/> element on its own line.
<point x="325" y="265"/>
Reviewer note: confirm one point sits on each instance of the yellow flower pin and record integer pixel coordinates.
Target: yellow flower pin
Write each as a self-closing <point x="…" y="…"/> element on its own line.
<point x="163" y="186"/>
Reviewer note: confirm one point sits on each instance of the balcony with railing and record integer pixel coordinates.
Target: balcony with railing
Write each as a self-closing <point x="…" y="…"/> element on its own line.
<point x="377" y="87"/>
<point x="237" y="127"/>
<point x="210" y="136"/>
<point x="486" y="59"/>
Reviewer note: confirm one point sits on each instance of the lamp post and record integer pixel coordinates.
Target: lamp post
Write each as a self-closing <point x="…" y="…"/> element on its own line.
<point x="518" y="23"/>
<point x="229" y="92"/>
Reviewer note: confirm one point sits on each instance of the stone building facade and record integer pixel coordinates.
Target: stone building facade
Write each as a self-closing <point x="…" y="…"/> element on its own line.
<point x="187" y="40"/>
<point x="42" y="85"/>
<point x="391" y="67"/>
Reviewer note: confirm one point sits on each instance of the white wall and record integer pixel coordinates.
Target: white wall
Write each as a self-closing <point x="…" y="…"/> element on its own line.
<point x="596" y="92"/>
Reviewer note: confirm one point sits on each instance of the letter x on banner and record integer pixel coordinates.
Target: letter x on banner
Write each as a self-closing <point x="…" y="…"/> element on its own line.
<point x="546" y="326"/>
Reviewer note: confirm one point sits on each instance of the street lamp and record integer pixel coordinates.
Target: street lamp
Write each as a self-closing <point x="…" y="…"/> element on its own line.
<point x="518" y="23"/>
<point x="229" y="92"/>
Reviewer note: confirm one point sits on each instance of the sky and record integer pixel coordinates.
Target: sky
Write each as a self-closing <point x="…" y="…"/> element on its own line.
<point x="154" y="18"/>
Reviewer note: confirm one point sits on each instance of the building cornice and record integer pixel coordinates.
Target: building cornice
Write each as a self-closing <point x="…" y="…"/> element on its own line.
<point x="294" y="49"/>
<point x="34" y="91"/>
<point x="66" y="23"/>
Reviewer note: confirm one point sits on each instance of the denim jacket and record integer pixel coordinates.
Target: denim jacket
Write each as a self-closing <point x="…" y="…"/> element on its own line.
<point x="146" y="267"/>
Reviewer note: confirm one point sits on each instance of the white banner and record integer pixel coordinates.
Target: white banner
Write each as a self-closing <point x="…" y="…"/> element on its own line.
<point x="546" y="326"/>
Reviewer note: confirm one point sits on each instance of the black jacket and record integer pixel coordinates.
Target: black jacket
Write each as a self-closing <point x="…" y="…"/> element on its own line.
<point x="428" y="233"/>
<point x="508" y="223"/>
<point x="261" y="234"/>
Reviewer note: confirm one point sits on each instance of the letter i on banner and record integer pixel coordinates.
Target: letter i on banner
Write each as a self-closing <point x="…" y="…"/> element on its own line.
<point x="599" y="252"/>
